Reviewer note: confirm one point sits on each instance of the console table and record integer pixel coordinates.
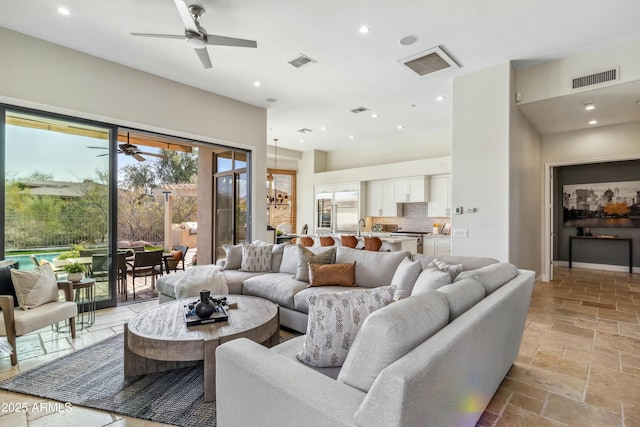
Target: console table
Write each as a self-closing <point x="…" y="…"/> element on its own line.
<point x="623" y="239"/>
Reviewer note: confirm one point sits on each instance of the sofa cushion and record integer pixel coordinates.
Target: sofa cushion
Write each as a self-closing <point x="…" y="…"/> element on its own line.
<point x="405" y="277"/>
<point x="332" y="274"/>
<point x="233" y="258"/>
<point x="373" y="269"/>
<point x="301" y="299"/>
<point x="35" y="287"/>
<point x="256" y="258"/>
<point x="431" y="278"/>
<point x="235" y="279"/>
<point x="491" y="276"/>
<point x="291" y="347"/>
<point x="390" y="333"/>
<point x="452" y="269"/>
<point x="334" y="321"/>
<point x="306" y="256"/>
<point x="6" y="285"/>
<point x="279" y="288"/>
<point x="289" y="262"/>
<point x="462" y="295"/>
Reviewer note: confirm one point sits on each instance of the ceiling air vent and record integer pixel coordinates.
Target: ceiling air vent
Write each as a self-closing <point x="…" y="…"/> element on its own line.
<point x="305" y="130"/>
<point x="359" y="110"/>
<point x="301" y="61"/>
<point x="429" y="62"/>
<point x="596" y="79"/>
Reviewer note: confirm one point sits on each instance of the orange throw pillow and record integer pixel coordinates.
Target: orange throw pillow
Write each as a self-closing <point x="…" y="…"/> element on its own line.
<point x="176" y="255"/>
<point x="332" y="274"/>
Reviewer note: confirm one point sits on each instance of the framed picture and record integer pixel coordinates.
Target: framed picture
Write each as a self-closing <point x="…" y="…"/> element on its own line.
<point x="602" y="204"/>
<point x="446" y="228"/>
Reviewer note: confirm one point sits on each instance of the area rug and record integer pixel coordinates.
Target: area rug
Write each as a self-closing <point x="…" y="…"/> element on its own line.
<point x="94" y="377"/>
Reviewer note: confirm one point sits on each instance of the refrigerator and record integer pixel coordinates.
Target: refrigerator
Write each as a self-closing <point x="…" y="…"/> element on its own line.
<point x="336" y="210"/>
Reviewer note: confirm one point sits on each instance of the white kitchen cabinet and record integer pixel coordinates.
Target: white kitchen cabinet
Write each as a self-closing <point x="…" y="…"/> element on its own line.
<point x="411" y="190"/>
<point x="436" y="245"/>
<point x="380" y="200"/>
<point x="439" y="196"/>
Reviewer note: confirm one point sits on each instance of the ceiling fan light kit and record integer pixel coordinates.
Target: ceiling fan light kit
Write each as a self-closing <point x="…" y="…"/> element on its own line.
<point x="196" y="36"/>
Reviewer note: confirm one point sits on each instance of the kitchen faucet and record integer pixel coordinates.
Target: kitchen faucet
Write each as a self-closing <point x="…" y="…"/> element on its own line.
<point x="361" y="224"/>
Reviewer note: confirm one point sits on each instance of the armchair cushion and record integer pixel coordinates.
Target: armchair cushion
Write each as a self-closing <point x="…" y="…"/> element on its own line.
<point x="44" y="315"/>
<point x="35" y="287"/>
<point x="6" y="285"/>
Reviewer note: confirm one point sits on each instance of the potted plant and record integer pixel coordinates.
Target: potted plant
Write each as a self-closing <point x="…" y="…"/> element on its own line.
<point x="75" y="271"/>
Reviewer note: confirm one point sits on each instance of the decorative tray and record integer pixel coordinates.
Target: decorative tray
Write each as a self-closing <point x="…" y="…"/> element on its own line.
<point x="192" y="319"/>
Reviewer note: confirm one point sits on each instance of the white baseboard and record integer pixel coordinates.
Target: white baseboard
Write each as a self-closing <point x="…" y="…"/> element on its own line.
<point x="591" y="266"/>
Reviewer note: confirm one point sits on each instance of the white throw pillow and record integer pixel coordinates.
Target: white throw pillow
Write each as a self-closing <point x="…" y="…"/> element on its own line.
<point x="35" y="287"/>
<point x="405" y="277"/>
<point x="430" y="279"/>
<point x="256" y="258"/>
<point x="334" y="321"/>
<point x="233" y="259"/>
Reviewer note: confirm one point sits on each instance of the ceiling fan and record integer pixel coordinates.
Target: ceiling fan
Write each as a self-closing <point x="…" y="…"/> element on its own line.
<point x="196" y="36"/>
<point x="132" y="150"/>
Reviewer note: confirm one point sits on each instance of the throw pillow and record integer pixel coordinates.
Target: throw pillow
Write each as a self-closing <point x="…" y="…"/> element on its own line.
<point x="256" y="258"/>
<point x="233" y="259"/>
<point x="332" y="274"/>
<point x="35" y="287"/>
<point x="6" y="285"/>
<point x="491" y="276"/>
<point x="452" y="269"/>
<point x="305" y="256"/>
<point x="334" y="321"/>
<point x="405" y="277"/>
<point x="430" y="279"/>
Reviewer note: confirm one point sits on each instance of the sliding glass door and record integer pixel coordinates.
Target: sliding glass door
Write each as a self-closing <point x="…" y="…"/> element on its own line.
<point x="58" y="192"/>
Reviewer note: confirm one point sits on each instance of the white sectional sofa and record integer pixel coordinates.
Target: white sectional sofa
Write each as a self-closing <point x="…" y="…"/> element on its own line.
<point x="434" y="358"/>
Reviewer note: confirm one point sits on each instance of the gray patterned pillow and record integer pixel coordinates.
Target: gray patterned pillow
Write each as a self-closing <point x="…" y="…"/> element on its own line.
<point x="256" y="258"/>
<point x="305" y="256"/>
<point x="334" y="321"/>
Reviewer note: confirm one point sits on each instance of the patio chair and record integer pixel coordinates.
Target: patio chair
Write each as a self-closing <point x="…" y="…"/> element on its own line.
<point x="16" y="322"/>
<point x="100" y="266"/>
<point x="173" y="262"/>
<point x="144" y="264"/>
<point x="121" y="271"/>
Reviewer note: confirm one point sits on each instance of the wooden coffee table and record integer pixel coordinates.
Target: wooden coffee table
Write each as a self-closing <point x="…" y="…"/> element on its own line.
<point x="158" y="339"/>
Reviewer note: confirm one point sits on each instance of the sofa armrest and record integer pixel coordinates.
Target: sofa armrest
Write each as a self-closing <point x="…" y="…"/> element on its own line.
<point x="257" y="386"/>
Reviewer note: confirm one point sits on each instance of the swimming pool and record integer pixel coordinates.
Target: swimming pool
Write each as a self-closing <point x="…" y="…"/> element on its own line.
<point x="25" y="262"/>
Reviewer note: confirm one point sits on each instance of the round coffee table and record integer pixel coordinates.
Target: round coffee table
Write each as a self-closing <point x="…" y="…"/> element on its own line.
<point x="158" y="338"/>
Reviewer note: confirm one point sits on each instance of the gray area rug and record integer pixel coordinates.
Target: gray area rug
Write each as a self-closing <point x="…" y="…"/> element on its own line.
<point x="94" y="377"/>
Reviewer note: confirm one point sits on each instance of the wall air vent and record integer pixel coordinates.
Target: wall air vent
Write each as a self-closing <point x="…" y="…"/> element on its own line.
<point x="302" y="61"/>
<point x="305" y="130"/>
<point x="359" y="110"/>
<point x="611" y="75"/>
<point x="429" y="62"/>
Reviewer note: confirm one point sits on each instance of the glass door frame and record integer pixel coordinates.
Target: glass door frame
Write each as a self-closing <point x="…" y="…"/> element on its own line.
<point x="113" y="185"/>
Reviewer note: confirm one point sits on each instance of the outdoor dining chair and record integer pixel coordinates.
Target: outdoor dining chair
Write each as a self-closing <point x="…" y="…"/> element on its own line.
<point x="144" y="264"/>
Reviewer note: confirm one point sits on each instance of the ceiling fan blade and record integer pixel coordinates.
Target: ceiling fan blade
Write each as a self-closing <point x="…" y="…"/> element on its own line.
<point x="162" y="156"/>
<point x="162" y="36"/>
<point x="102" y="155"/>
<point x="204" y="57"/>
<point x="101" y="148"/>
<point x="185" y="15"/>
<point x="229" y="41"/>
<point x="138" y="157"/>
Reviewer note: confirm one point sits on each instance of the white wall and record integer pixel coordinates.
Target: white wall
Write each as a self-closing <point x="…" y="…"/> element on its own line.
<point x="553" y="79"/>
<point x="45" y="76"/>
<point x="437" y="144"/>
<point x="525" y="193"/>
<point x="480" y="153"/>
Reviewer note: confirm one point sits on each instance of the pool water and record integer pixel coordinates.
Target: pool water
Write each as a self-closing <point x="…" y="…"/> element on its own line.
<point x="25" y="262"/>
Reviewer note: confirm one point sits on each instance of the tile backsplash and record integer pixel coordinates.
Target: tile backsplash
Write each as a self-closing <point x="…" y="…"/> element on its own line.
<point x="414" y="218"/>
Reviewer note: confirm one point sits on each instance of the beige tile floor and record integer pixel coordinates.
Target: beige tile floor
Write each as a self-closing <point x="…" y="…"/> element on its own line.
<point x="579" y="363"/>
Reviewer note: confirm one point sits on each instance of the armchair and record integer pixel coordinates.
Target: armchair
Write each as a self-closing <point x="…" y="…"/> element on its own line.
<point x="16" y="322"/>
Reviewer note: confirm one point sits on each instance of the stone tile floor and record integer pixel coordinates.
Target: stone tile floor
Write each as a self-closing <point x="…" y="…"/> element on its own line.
<point x="579" y="363"/>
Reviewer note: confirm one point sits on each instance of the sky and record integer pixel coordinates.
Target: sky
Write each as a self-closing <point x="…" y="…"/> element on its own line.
<point x="64" y="156"/>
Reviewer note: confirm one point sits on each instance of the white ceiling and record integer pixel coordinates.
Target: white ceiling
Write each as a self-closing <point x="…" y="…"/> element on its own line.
<point x="352" y="69"/>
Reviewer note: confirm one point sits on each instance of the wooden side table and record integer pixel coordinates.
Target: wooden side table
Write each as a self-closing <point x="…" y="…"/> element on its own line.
<point x="85" y="297"/>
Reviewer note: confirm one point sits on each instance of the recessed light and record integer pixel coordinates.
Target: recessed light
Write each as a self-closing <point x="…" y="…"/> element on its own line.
<point x="408" y="40"/>
<point x="352" y="137"/>
<point x="323" y="128"/>
<point x="400" y="127"/>
<point x="374" y="115"/>
<point x="256" y="83"/>
<point x="63" y="11"/>
<point x="364" y="29"/>
<point x="593" y="122"/>
<point x="440" y="98"/>
<point x="301" y="141"/>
